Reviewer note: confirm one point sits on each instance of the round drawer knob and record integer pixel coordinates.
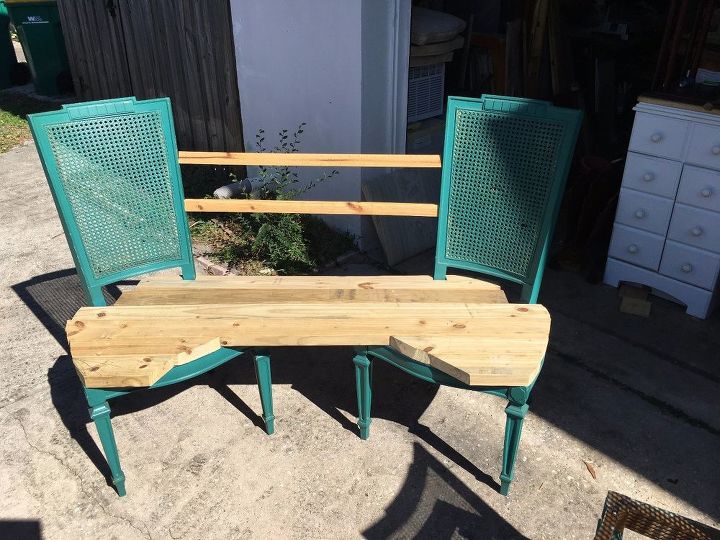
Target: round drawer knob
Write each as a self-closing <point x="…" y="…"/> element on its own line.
<point x="632" y="248"/>
<point x="707" y="192"/>
<point x="687" y="268"/>
<point x="715" y="150"/>
<point x="656" y="137"/>
<point x="640" y="213"/>
<point x="696" y="231"/>
<point x="648" y="177"/>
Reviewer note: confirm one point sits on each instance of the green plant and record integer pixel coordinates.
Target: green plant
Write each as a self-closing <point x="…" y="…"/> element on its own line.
<point x="14" y="108"/>
<point x="280" y="182"/>
<point x="287" y="243"/>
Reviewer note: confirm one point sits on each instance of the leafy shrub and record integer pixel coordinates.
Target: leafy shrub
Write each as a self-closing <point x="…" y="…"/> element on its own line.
<point x="287" y="243"/>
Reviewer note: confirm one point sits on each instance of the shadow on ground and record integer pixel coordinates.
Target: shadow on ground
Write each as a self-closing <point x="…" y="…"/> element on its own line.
<point x="20" y="529"/>
<point x="609" y="410"/>
<point x="434" y="503"/>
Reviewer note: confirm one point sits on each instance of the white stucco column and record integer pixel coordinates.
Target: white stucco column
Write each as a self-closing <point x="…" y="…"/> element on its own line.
<point x="338" y="65"/>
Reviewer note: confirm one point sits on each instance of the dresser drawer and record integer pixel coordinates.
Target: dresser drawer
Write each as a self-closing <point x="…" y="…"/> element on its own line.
<point x="652" y="175"/>
<point x="637" y="247"/>
<point x="644" y="211"/>
<point x="700" y="187"/>
<point x="659" y="135"/>
<point x="704" y="147"/>
<point x="690" y="265"/>
<point x="696" y="227"/>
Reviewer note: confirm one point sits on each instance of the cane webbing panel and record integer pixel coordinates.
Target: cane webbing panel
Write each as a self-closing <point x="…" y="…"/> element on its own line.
<point x="115" y="173"/>
<point x="503" y="167"/>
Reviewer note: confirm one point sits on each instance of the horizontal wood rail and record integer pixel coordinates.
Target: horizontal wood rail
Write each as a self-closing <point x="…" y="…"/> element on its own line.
<point x="310" y="160"/>
<point x="312" y="207"/>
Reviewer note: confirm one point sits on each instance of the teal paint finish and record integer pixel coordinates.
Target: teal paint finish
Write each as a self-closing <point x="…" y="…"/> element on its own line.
<point x="100" y="414"/>
<point x="505" y="165"/>
<point x="513" y="430"/>
<point x="114" y="175"/>
<point x="363" y="384"/>
<point x="264" y="379"/>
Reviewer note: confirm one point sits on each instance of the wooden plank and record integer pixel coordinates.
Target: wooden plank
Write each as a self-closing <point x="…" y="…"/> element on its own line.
<point x="553" y="31"/>
<point x="312" y="207"/>
<point x="297" y="159"/>
<point x="181" y="296"/>
<point x="487" y="361"/>
<point x="302" y="324"/>
<point x="300" y="310"/>
<point x="514" y="58"/>
<point x="536" y="47"/>
<point x="121" y="346"/>
<point x="679" y="23"/>
<point x="314" y="282"/>
<point x="123" y="371"/>
<point x="296" y="329"/>
<point x="661" y="60"/>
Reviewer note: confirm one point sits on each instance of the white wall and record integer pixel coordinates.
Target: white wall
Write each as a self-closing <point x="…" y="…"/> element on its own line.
<point x="329" y="63"/>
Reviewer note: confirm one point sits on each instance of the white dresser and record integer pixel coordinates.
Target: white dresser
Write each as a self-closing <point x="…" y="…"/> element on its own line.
<point x="667" y="226"/>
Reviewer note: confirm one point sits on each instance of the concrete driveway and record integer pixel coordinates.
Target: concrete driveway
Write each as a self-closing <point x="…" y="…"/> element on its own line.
<point x="637" y="398"/>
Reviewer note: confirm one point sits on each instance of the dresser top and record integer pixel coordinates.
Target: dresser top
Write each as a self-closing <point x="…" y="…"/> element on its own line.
<point x="678" y="105"/>
<point x="674" y="109"/>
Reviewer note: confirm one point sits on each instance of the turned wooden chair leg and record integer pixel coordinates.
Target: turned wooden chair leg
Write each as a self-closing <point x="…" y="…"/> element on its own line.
<point x="513" y="429"/>
<point x="363" y="385"/>
<point x="264" y="380"/>
<point x="100" y="414"/>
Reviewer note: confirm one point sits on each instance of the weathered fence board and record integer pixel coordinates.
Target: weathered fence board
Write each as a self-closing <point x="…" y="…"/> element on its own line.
<point x="96" y="49"/>
<point x="182" y="49"/>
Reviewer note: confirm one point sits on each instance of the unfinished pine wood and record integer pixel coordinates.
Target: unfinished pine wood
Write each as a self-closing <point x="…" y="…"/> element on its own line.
<point x="123" y="371"/>
<point x="537" y="42"/>
<point x="419" y="282"/>
<point x="508" y="359"/>
<point x="250" y="289"/>
<point x="297" y="159"/>
<point x="312" y="207"/>
<point x="111" y="345"/>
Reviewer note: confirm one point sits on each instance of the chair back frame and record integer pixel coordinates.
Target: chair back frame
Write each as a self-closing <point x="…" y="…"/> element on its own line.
<point x="75" y="115"/>
<point x="530" y="109"/>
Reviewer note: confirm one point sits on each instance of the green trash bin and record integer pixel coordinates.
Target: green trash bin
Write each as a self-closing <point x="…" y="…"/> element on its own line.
<point x="38" y="27"/>
<point x="7" y="51"/>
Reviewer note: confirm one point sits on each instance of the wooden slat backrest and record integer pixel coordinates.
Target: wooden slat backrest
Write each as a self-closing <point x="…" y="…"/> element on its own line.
<point x="311" y="160"/>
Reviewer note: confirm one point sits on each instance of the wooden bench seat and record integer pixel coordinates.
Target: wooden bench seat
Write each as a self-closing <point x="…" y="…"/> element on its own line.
<point x="462" y="326"/>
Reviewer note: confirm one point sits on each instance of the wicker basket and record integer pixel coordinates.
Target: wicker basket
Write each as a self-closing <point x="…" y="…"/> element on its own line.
<point x="621" y="512"/>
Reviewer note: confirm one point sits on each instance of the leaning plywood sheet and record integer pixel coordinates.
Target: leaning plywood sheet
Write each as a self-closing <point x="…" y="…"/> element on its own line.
<point x="401" y="238"/>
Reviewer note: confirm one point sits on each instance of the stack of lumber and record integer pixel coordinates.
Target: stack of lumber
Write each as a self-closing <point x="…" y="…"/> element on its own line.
<point x="462" y="326"/>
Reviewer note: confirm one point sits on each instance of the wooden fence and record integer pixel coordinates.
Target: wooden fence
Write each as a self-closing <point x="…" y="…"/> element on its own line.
<point x="182" y="49"/>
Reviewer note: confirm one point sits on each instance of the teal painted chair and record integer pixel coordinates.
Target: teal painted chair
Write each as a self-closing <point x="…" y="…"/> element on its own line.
<point x="113" y="172"/>
<point x="505" y="164"/>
